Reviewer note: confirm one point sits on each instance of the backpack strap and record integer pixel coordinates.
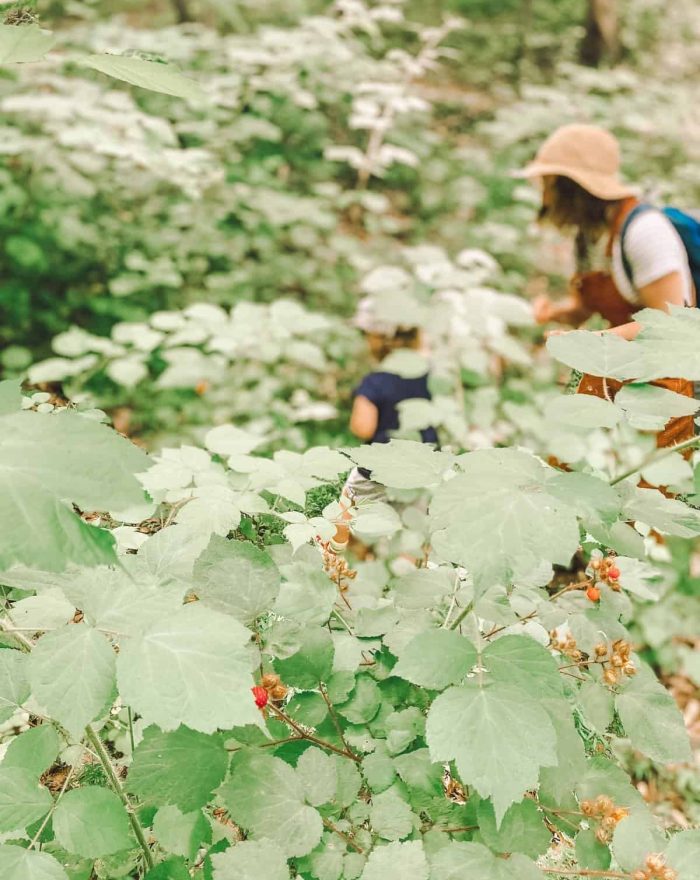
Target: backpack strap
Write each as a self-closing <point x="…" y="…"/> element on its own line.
<point x="641" y="208"/>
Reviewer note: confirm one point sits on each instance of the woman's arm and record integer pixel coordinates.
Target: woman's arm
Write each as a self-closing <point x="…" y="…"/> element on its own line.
<point x="570" y="310"/>
<point x="657" y="295"/>
<point x="364" y="418"/>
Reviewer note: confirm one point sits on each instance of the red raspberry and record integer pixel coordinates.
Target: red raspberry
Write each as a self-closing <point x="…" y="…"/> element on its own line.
<point x="260" y="696"/>
<point x="593" y="594"/>
<point x="614" y="573"/>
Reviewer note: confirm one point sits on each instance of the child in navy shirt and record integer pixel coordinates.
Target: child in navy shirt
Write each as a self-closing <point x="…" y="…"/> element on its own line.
<point x="375" y="415"/>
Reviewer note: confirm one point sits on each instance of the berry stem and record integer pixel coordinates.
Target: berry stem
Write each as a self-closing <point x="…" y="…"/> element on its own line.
<point x="581" y="872"/>
<point x="101" y="752"/>
<point x="346" y="837"/>
<point x="653" y="457"/>
<point x="314" y="739"/>
<point x="334" y="717"/>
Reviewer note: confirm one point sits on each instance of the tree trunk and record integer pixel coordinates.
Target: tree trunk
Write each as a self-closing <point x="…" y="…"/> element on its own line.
<point x="182" y="11"/>
<point x="601" y="42"/>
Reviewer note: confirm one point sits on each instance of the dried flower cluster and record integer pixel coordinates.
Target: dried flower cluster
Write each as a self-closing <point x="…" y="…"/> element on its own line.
<point x="616" y="661"/>
<point x="604" y="811"/>
<point x="655" y="869"/>
<point x="566" y="645"/>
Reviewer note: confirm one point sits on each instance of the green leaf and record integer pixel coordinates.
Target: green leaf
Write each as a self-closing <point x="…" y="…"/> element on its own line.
<point x="266" y="797"/>
<point x="20" y="43"/>
<point x="46" y="462"/>
<point x="191" y="668"/>
<point x="17" y="863"/>
<point x="652" y="720"/>
<point x="397" y="861"/>
<point x="35" y="750"/>
<point x="436" y="659"/>
<point x="635" y="837"/>
<point x="92" y="822"/>
<point x="71" y="671"/>
<point x="237" y="578"/>
<point x="311" y="664"/>
<point x="457" y="861"/>
<point x="599" y="354"/>
<point x="171" y="869"/>
<point x="181" y="833"/>
<point x="582" y="411"/>
<point x="590" y="853"/>
<point x="522" y="829"/>
<point x="150" y="75"/>
<point x="390" y="816"/>
<point x="318" y="775"/>
<point x="667" y="515"/>
<point x="402" y="728"/>
<point x="22" y="800"/>
<point x="364" y="701"/>
<point x="648" y="407"/>
<point x="14" y="686"/>
<point x="378" y="768"/>
<point x="180" y="768"/>
<point x="402" y="464"/>
<point x="307" y="594"/>
<point x="498" y="737"/>
<point x="683" y="854"/>
<point x="251" y="860"/>
<point x="10" y="389"/>
<point x="522" y="662"/>
<point x="597" y="704"/>
<point x="498" y="520"/>
<point x="669" y="338"/>
<point x="594" y="500"/>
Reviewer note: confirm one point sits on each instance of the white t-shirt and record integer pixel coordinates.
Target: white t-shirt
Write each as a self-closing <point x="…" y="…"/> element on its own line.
<point x="653" y="249"/>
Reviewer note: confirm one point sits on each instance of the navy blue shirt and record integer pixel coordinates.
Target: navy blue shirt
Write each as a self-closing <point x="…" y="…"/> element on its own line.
<point x="386" y="391"/>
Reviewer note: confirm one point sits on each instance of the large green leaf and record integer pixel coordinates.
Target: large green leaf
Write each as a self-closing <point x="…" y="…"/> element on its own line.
<point x="669" y="339"/>
<point x="498" y="519"/>
<point x="318" y="774"/>
<point x="17" y="863"/>
<point x="397" y="861"/>
<point x="92" y="822"/>
<point x="19" y="43"/>
<point x="599" y="354"/>
<point x="181" y="833"/>
<point x="652" y="720"/>
<point x="181" y="768"/>
<point x="312" y="663"/>
<point x="402" y="464"/>
<point x="667" y="515"/>
<point x="22" y="800"/>
<point x="683" y="854"/>
<point x="498" y="737"/>
<point x="71" y="671"/>
<point x="457" y="861"/>
<point x="34" y="750"/>
<point x="266" y="797"/>
<point x="390" y="816"/>
<point x="522" y="829"/>
<point x="522" y="662"/>
<point x="436" y="659"/>
<point x="49" y="461"/>
<point x="192" y="668"/>
<point x="147" y="74"/>
<point x="582" y="411"/>
<point x="14" y="685"/>
<point x="251" y="860"/>
<point x="649" y="407"/>
<point x="237" y="578"/>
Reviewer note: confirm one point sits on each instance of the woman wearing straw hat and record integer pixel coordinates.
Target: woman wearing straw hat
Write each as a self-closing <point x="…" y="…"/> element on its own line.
<point x="578" y="167"/>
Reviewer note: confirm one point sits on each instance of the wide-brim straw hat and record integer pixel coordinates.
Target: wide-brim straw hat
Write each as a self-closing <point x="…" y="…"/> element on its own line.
<point x="587" y="154"/>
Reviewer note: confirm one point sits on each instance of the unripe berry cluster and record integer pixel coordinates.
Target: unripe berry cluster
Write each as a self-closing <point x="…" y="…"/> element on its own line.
<point x="604" y="811"/>
<point x="616" y="661"/>
<point x="655" y="868"/>
<point x="270" y="688"/>
<point x="604" y="571"/>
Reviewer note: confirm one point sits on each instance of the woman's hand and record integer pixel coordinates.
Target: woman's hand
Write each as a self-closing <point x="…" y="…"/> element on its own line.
<point x="542" y="309"/>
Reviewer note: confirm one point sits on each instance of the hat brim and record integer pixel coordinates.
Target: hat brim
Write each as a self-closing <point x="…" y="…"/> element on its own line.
<point x="603" y="186"/>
